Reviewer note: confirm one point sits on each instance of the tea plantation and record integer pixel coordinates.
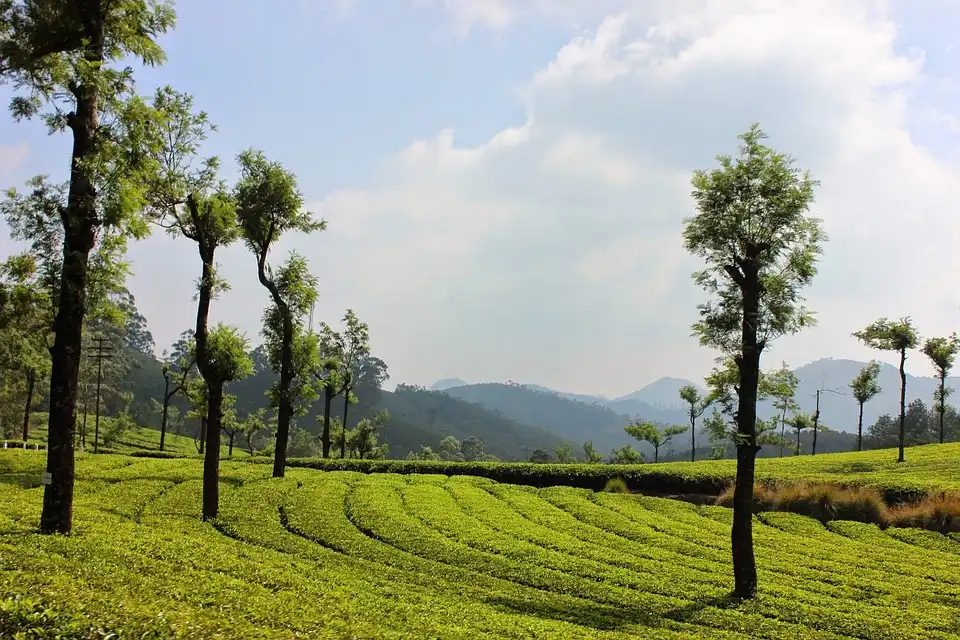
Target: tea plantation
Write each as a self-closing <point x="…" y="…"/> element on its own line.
<point x="344" y="554"/>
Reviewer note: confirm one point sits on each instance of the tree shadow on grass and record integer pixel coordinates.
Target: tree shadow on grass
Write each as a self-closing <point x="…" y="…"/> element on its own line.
<point x="608" y="617"/>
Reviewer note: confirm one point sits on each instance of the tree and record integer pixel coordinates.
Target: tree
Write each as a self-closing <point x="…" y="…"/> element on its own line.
<point x="177" y="365"/>
<point x="943" y="354"/>
<point x="136" y="335"/>
<point x="799" y="422"/>
<point x="269" y="205"/>
<point x="753" y="230"/>
<point x="893" y="335"/>
<point x="541" y="456"/>
<point x="297" y="386"/>
<point x="425" y="453"/>
<point x="331" y="349"/>
<point x="356" y="347"/>
<point x="362" y="440"/>
<point x="697" y="404"/>
<point x="626" y="455"/>
<point x="782" y="387"/>
<point x="254" y="425"/>
<point x="564" y="453"/>
<point x="472" y="449"/>
<point x="450" y="450"/>
<point x="226" y="361"/>
<point x="649" y="432"/>
<point x="591" y="455"/>
<point x="63" y="56"/>
<point x="865" y="387"/>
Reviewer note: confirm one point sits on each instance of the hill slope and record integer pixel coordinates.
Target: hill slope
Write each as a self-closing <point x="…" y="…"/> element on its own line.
<point x="448" y="558"/>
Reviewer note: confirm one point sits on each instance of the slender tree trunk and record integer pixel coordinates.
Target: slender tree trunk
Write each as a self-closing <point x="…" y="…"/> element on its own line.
<point x="656" y="453"/>
<point x="203" y="435"/>
<point x="816" y="425"/>
<point x="166" y="404"/>
<point x="31" y="382"/>
<point x="285" y="404"/>
<point x="325" y="436"/>
<point x="693" y="436"/>
<point x="204" y="295"/>
<point x="79" y="222"/>
<point x="783" y="428"/>
<point x="903" y="402"/>
<point x="230" y="450"/>
<point x="211" y="459"/>
<point x="748" y="363"/>
<point x="798" y="442"/>
<point x="343" y="432"/>
<point x="942" y="407"/>
<point x="860" y="429"/>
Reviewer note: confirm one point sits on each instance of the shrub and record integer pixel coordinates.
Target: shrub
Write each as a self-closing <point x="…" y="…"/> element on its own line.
<point x="936" y="513"/>
<point x="616" y="485"/>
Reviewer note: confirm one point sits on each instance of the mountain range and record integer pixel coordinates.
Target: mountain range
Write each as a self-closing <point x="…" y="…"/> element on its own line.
<point x="579" y="417"/>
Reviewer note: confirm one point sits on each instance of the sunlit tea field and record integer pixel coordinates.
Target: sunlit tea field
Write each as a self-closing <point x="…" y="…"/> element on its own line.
<point x="341" y="554"/>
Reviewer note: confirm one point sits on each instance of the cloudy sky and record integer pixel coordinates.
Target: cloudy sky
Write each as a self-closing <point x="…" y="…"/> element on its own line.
<point x="504" y="180"/>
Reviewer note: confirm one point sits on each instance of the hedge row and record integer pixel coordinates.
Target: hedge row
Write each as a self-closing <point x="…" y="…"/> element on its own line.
<point x="642" y="478"/>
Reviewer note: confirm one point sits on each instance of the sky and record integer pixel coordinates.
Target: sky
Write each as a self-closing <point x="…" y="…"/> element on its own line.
<point x="504" y="181"/>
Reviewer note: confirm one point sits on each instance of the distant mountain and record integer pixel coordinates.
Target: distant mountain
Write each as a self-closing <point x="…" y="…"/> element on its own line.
<point x="574" y="420"/>
<point x="447" y="383"/>
<point x="663" y="393"/>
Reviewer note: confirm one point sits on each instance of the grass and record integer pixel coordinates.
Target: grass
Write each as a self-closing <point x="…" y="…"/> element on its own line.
<point x="138" y="439"/>
<point x="351" y="555"/>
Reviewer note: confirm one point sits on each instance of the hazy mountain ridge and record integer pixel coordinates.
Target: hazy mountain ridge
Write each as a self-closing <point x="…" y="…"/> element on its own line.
<point x="659" y="401"/>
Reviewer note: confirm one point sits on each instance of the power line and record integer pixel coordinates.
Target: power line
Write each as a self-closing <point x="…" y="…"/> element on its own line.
<point x="100" y="351"/>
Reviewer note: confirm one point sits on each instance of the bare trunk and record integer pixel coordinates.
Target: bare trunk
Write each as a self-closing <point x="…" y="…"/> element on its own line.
<point x="860" y="429"/>
<point x="693" y="436"/>
<point x="27" y="406"/>
<point x="343" y="432"/>
<point x="798" y="442"/>
<point x="783" y="428"/>
<point x="325" y="436"/>
<point x="942" y="407"/>
<point x="816" y="425"/>
<point x="230" y="450"/>
<point x="166" y="404"/>
<point x="211" y="459"/>
<point x="903" y="402"/>
<point x="79" y="223"/>
<point x="748" y="363"/>
<point x="204" y="296"/>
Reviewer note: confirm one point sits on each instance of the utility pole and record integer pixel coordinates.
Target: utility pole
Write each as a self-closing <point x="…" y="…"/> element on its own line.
<point x="816" y="423"/>
<point x="100" y="351"/>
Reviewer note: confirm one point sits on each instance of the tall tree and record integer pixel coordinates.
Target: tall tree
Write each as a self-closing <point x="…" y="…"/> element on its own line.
<point x="865" y="387"/>
<point x="799" y="422"/>
<point x="225" y="352"/>
<point x="328" y="372"/>
<point x="782" y="387"/>
<point x="943" y="354"/>
<point x="177" y="365"/>
<point x="696" y="405"/>
<point x="356" y="348"/>
<point x="590" y="454"/>
<point x="296" y="387"/>
<point x="893" y="335"/>
<point x="269" y="205"/>
<point x="761" y="246"/>
<point x="63" y="57"/>
<point x="648" y="432"/>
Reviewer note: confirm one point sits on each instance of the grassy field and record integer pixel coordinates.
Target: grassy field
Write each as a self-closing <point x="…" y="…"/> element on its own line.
<point x="350" y="555"/>
<point x="136" y="439"/>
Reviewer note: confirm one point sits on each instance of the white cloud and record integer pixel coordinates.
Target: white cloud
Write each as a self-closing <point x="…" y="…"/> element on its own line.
<point x="553" y="253"/>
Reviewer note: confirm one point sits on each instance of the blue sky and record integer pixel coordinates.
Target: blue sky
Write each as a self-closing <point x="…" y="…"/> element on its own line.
<point x="505" y="179"/>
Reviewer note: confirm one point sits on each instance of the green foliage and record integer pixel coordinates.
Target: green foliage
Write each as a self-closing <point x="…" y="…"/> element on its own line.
<point x="591" y="455"/>
<point x="865" y="386"/>
<point x="752" y="211"/>
<point x="564" y="454"/>
<point x="626" y="455"/>
<point x="889" y="335"/>
<point x="649" y="432"/>
<point x="227" y="353"/>
<point x="381" y="556"/>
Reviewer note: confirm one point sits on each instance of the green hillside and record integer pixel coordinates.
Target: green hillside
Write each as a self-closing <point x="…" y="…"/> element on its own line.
<point x="340" y="554"/>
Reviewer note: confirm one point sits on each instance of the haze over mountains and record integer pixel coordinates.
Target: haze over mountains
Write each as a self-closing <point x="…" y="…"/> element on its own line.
<point x="579" y="417"/>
